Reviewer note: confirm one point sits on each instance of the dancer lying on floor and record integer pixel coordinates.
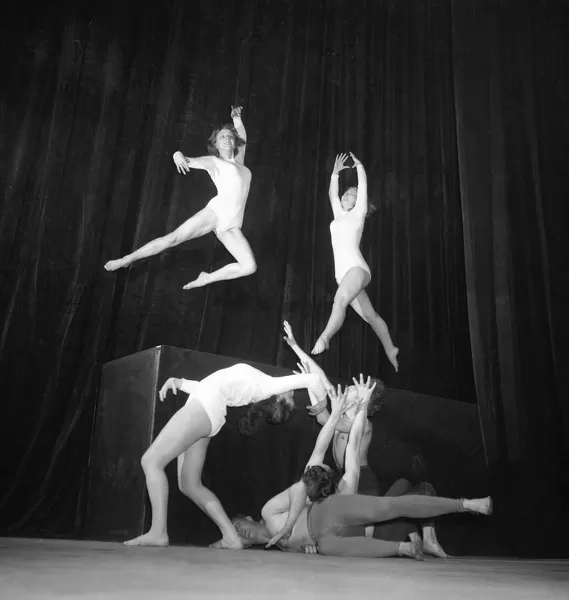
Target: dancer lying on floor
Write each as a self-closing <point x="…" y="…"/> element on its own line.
<point x="368" y="484"/>
<point x="191" y="428"/>
<point x="352" y="272"/>
<point x="335" y="524"/>
<point x="222" y="214"/>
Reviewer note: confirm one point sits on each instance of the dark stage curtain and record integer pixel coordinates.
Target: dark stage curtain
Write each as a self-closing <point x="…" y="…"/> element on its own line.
<point x="100" y="98"/>
<point x="510" y="62"/>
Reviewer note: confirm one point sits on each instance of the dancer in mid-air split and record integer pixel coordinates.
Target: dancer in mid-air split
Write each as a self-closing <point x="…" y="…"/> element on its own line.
<point x="351" y="270"/>
<point x="191" y="428"/>
<point x="223" y="213"/>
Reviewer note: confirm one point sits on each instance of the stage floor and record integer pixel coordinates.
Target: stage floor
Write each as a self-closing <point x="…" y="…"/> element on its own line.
<point x="50" y="569"/>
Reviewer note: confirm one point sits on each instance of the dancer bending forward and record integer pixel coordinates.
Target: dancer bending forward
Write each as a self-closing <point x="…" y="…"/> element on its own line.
<point x="223" y="214"/>
<point x="190" y="430"/>
<point x="351" y="270"/>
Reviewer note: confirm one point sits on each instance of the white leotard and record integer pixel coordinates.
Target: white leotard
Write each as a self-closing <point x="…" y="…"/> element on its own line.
<point x="346" y="233"/>
<point x="238" y="385"/>
<point x="232" y="180"/>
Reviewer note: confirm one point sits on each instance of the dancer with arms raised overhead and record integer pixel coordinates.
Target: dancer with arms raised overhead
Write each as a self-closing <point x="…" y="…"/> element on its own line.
<point x="222" y="214"/>
<point x="352" y="272"/>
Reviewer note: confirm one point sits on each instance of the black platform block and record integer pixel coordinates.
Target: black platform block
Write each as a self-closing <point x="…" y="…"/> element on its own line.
<point x="129" y="417"/>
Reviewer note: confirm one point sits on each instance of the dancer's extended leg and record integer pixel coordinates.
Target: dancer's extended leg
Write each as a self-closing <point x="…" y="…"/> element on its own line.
<point x="344" y="511"/>
<point x="190" y="483"/>
<point x="200" y="224"/>
<point x="238" y="246"/>
<point x="185" y="428"/>
<point x="363" y="306"/>
<point x="352" y="284"/>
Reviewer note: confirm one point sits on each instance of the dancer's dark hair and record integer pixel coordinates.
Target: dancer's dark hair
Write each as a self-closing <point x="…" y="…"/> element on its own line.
<point x="272" y="410"/>
<point x="211" y="142"/>
<point x="376" y="403"/>
<point x="320" y="482"/>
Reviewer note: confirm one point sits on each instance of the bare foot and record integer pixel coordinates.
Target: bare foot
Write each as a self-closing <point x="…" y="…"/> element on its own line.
<point x="149" y="539"/>
<point x="227" y="544"/>
<point x="392" y="357"/>
<point x="411" y="549"/>
<point x="203" y="279"/>
<point x="119" y="263"/>
<point x="433" y="548"/>
<point x="481" y="506"/>
<point x="320" y="346"/>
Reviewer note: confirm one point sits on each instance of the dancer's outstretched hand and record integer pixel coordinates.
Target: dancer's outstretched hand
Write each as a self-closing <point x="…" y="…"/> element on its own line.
<point x="364" y="390"/>
<point x="181" y="163"/>
<point x="357" y="161"/>
<point x="303" y="368"/>
<point x="340" y="163"/>
<point x="289" y="335"/>
<point x="236" y="112"/>
<point x="171" y="384"/>
<point x="339" y="400"/>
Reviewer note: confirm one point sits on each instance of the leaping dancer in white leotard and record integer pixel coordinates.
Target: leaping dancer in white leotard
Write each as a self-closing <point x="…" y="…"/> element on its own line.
<point x="190" y="430"/>
<point x="223" y="214"/>
<point x="351" y="270"/>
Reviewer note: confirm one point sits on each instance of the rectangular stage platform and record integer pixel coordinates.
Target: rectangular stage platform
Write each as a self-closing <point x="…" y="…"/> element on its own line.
<point x="32" y="569"/>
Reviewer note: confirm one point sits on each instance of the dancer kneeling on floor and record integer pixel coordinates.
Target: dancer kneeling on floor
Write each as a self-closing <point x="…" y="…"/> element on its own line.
<point x="191" y="428"/>
<point x="336" y="523"/>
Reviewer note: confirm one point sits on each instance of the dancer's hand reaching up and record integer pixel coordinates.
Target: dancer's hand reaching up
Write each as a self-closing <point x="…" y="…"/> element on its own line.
<point x="357" y="161"/>
<point x="339" y="401"/>
<point x="364" y="390"/>
<point x="340" y="163"/>
<point x="303" y="368"/>
<point x="236" y="112"/>
<point x="172" y="384"/>
<point x="289" y="335"/>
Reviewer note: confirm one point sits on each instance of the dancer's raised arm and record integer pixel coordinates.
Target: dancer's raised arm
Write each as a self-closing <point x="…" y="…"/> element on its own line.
<point x="350" y="480"/>
<point x="361" y="206"/>
<point x="333" y="191"/>
<point x="293" y="500"/>
<point x="241" y="132"/>
<point x="306" y="359"/>
<point x="309" y="365"/>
